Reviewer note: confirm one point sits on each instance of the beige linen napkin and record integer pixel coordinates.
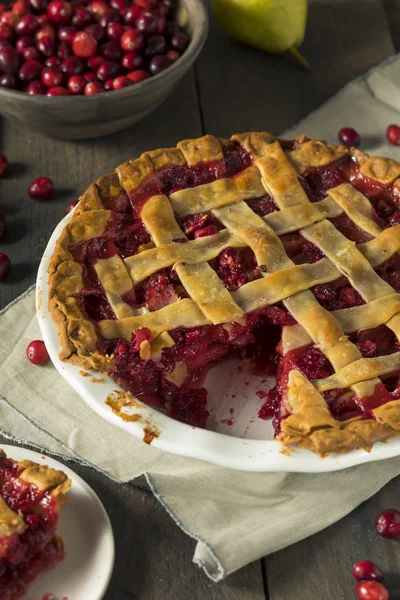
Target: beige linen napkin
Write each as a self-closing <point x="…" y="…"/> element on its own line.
<point x="236" y="517"/>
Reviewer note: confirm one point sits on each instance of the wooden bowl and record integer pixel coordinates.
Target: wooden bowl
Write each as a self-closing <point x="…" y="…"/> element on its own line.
<point x="82" y="117"/>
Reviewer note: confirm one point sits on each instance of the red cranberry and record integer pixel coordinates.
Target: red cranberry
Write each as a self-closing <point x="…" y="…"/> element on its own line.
<point x="171" y="28"/>
<point x="115" y="31"/>
<point x="93" y="87"/>
<point x="147" y="24"/>
<point x="58" y="91"/>
<point x="132" y="61"/>
<point x="108" y="85"/>
<point x="24" y="42"/>
<point x="121" y="82"/>
<point x="39" y="5"/>
<point x="96" y="31"/>
<point x="72" y="65"/>
<point x="8" y="81"/>
<point x="158" y="63"/>
<point x="6" y="32"/>
<point x="37" y="353"/>
<point x="3" y="226"/>
<point x="97" y="9"/>
<point x="90" y="77"/>
<point x="371" y="590"/>
<point x="60" y="11"/>
<point x="111" y="51"/>
<point x="138" y="76"/>
<point x="180" y="41"/>
<point x="3" y="165"/>
<point x="131" y="14"/>
<point x="393" y="135"/>
<point x="21" y="7"/>
<point x="76" y="84"/>
<point x="94" y="62"/>
<point x="43" y="19"/>
<point x="81" y="18"/>
<point x="132" y="40"/>
<point x="52" y="61"/>
<point x="9" y="18"/>
<point x="36" y="88"/>
<point x="5" y="44"/>
<point x="173" y="55"/>
<point x="204" y="231"/>
<point x="41" y="188"/>
<point x="72" y="205"/>
<point x="111" y="16"/>
<point x="52" y="77"/>
<point x="9" y="60"/>
<point x="161" y="24"/>
<point x="5" y="265"/>
<point x="107" y="70"/>
<point x="119" y="5"/>
<point x="348" y="137"/>
<point x="84" y="44"/>
<point x="46" y="31"/>
<point x="367" y="570"/>
<point x="64" y="50"/>
<point x="47" y="46"/>
<point x="156" y="44"/>
<point x="30" y="53"/>
<point x="27" y="25"/>
<point x="66" y="34"/>
<point x="30" y="70"/>
<point x="388" y="523"/>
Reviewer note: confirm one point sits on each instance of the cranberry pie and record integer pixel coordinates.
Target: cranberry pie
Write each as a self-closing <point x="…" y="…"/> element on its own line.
<point x="30" y="496"/>
<point x="285" y="252"/>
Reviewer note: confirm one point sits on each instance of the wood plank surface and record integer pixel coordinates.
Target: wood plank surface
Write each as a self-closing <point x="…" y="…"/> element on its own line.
<point x="233" y="89"/>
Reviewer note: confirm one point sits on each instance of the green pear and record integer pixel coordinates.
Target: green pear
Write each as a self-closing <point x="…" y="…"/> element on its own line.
<point x="275" y="26"/>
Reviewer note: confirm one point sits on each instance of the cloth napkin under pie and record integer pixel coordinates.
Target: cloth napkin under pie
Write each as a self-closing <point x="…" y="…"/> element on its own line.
<point x="236" y="517"/>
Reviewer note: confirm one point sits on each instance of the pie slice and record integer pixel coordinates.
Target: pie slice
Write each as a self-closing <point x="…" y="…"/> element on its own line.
<point x="30" y="499"/>
<point x="284" y="252"/>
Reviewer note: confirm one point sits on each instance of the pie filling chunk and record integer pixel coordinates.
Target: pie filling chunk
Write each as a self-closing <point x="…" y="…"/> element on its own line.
<point x="284" y="253"/>
<point x="30" y="500"/>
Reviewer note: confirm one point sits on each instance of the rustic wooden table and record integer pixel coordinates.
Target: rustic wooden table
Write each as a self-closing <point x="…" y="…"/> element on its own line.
<point x="231" y="89"/>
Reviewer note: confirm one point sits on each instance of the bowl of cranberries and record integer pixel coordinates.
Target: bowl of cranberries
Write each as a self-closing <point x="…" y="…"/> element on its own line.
<point x="86" y="68"/>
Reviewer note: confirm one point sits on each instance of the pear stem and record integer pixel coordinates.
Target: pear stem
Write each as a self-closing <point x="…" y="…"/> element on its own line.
<point x="299" y="58"/>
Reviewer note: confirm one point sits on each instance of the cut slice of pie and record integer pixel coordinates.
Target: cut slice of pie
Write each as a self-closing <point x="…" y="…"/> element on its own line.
<point x="284" y="252"/>
<point x="30" y="498"/>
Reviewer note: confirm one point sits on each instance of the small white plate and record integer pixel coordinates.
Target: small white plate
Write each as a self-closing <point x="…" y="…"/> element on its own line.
<point x="235" y="437"/>
<point x="86" y="530"/>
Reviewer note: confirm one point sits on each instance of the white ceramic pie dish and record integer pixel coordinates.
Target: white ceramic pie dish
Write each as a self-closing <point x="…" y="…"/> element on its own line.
<point x="236" y="437"/>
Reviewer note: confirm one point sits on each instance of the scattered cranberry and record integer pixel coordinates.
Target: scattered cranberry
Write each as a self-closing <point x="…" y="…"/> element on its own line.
<point x="8" y="81"/>
<point x="41" y="188"/>
<point x="76" y="84"/>
<point x="159" y="63"/>
<point x="2" y="226"/>
<point x="388" y="523"/>
<point x="5" y="265"/>
<point x="349" y="137"/>
<point x="121" y="82"/>
<point x="371" y="590"/>
<point x="84" y="44"/>
<point x="37" y="353"/>
<point x="9" y="60"/>
<point x="393" y="135"/>
<point x="60" y="11"/>
<point x="93" y="87"/>
<point x="36" y="88"/>
<point x="367" y="570"/>
<point x="72" y="205"/>
<point x="138" y="76"/>
<point x="3" y="165"/>
<point x="132" y="40"/>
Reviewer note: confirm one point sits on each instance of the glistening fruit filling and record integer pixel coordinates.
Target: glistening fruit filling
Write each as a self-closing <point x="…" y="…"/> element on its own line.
<point x="173" y="376"/>
<point x="24" y="555"/>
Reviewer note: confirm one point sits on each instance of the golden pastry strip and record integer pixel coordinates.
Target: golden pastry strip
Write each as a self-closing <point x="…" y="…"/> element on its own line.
<point x="356" y="206"/>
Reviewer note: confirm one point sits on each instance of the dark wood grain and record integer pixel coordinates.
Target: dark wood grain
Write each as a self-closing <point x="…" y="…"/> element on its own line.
<point x="234" y="89"/>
